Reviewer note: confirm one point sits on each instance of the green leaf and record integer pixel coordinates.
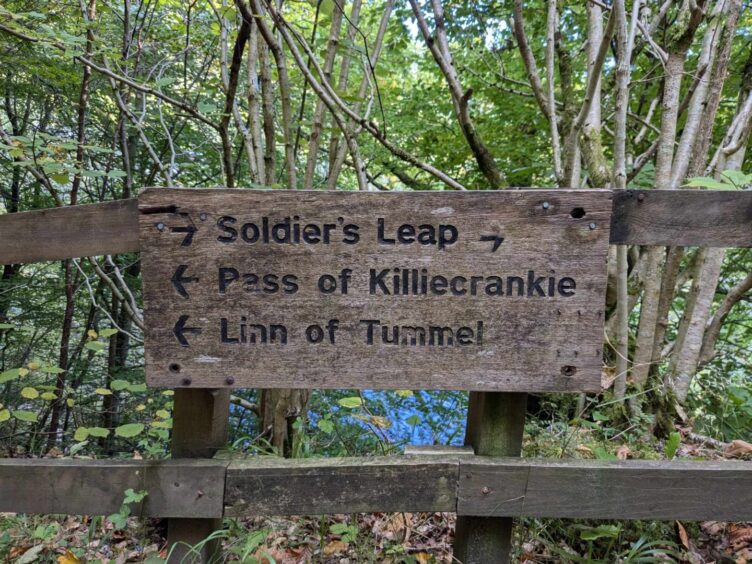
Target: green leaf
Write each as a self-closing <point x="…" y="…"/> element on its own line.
<point x="30" y="393"/>
<point x="132" y="496"/>
<point x="81" y="434"/>
<point x="95" y="346"/>
<point x="98" y="432"/>
<point x="130" y="430"/>
<point x="325" y="426"/>
<point x="103" y="391"/>
<point x="672" y="445"/>
<point x="118" y="520"/>
<point x="137" y="387"/>
<point x="6" y="326"/>
<point x="413" y="420"/>
<point x="61" y="178"/>
<point x="9" y="375"/>
<point x="705" y="182"/>
<point x="602" y="454"/>
<point x="351" y="402"/>
<point x="737" y="178"/>
<point x="599" y="532"/>
<point x="52" y="369"/>
<point x="118" y="385"/>
<point x="28" y="416"/>
<point x="48" y="396"/>
<point x="107" y="332"/>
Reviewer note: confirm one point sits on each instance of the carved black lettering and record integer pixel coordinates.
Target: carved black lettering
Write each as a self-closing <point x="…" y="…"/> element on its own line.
<point x="227" y="275"/>
<point x="439" y="285"/>
<point x="567" y="286"/>
<point x="371" y="325"/>
<point x="311" y="234"/>
<point x="351" y="235"/>
<point x="448" y="235"/>
<point x="381" y="237"/>
<point x="290" y="282"/>
<point x="534" y="283"/>
<point x="254" y="232"/>
<point x="377" y="281"/>
<point x="406" y="233"/>
<point x="231" y="233"/>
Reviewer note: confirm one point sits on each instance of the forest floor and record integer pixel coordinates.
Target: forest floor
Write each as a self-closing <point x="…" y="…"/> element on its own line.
<point x="402" y="537"/>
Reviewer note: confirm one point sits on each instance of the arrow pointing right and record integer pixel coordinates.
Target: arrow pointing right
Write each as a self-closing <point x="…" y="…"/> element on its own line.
<point x="180" y="328"/>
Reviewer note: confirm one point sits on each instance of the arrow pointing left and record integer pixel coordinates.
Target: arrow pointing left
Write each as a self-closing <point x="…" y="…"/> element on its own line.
<point x="180" y="328"/>
<point x="178" y="280"/>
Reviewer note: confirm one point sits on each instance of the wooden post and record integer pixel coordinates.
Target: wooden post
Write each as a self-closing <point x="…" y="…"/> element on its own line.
<point x="495" y="422"/>
<point x="200" y="419"/>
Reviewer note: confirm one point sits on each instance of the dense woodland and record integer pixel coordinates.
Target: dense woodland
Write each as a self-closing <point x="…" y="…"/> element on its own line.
<point x="101" y="99"/>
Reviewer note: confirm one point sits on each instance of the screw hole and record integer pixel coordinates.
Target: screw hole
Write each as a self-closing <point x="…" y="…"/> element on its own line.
<point x="174" y="367"/>
<point x="568" y="370"/>
<point x="577" y="213"/>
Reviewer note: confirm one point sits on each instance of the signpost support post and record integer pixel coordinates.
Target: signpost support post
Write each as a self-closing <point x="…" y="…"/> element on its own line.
<point x="200" y="420"/>
<point x="495" y="423"/>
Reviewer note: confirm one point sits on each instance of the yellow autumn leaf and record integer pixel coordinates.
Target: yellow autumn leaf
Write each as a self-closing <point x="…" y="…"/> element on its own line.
<point x="92" y="334"/>
<point x="168" y="393"/>
<point x="49" y="396"/>
<point x="33" y="365"/>
<point x="68" y="558"/>
<point x="4" y="415"/>
<point x="23" y="372"/>
<point x="70" y="402"/>
<point x="103" y="392"/>
<point x="30" y="393"/>
<point x="140" y="407"/>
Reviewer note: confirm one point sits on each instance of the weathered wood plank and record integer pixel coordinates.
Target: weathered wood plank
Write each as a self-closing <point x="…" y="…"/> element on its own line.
<point x="75" y="231"/>
<point x="199" y="430"/>
<point x="591" y="489"/>
<point x="272" y="486"/>
<point x="703" y="218"/>
<point x="713" y="218"/>
<point x="484" y="291"/>
<point x="176" y="488"/>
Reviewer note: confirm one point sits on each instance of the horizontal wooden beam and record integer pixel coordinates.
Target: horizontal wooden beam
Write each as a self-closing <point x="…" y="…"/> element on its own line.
<point x="603" y="489"/>
<point x="175" y="488"/>
<point x="75" y="231"/>
<point x="483" y="486"/>
<point x="640" y="217"/>
<point x="273" y="486"/>
<point x="461" y="482"/>
<point x="687" y="218"/>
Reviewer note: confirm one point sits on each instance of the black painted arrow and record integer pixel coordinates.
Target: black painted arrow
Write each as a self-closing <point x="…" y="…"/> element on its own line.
<point x="180" y="328"/>
<point x="189" y="230"/>
<point x="178" y="280"/>
<point x="497" y="240"/>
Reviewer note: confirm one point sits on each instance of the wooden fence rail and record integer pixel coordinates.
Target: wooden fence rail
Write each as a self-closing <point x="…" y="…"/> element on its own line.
<point x="640" y="217"/>
<point x="469" y="485"/>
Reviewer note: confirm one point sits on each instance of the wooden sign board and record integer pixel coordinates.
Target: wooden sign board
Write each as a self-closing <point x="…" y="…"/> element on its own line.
<point x="420" y="290"/>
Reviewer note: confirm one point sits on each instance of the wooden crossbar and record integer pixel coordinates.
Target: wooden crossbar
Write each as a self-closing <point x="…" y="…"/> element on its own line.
<point x="469" y="485"/>
<point x="640" y="217"/>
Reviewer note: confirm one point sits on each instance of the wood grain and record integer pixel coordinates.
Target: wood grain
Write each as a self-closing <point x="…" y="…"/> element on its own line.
<point x="688" y="218"/>
<point x="711" y="219"/>
<point x="74" y="231"/>
<point x="592" y="489"/>
<point x="274" y="486"/>
<point x="176" y="488"/>
<point x="544" y="337"/>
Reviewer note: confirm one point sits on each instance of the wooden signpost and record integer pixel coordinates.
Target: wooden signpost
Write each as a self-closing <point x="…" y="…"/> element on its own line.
<point x="494" y="291"/>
